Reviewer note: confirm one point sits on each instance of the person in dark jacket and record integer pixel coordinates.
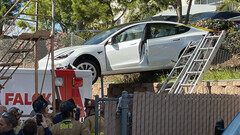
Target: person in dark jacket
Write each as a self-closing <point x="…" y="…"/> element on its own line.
<point x="40" y="106"/>
<point x="8" y="121"/>
<point x="69" y="126"/>
<point x="30" y="127"/>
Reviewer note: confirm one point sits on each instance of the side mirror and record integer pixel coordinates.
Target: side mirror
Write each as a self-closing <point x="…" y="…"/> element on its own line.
<point x="110" y="41"/>
<point x="219" y="127"/>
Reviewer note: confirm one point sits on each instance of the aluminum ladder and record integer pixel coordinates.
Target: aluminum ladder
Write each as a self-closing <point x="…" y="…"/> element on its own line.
<point x="192" y="64"/>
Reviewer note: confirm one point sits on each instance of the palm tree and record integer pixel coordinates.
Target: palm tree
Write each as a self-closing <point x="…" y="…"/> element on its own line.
<point x="229" y="5"/>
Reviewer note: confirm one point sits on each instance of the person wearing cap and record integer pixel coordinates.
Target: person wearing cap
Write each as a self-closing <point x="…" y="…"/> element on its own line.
<point x="90" y="119"/>
<point x="40" y="106"/>
<point x="18" y="113"/>
<point x="76" y="109"/>
<point x="69" y="125"/>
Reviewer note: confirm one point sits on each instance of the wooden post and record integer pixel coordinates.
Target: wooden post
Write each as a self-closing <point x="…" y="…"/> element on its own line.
<point x="36" y="54"/>
<point x="52" y="57"/>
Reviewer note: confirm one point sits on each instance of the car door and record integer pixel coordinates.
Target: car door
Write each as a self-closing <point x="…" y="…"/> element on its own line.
<point x="123" y="52"/>
<point x="163" y="43"/>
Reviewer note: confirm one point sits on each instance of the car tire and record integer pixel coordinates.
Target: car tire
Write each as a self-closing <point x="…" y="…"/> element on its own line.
<point x="89" y="65"/>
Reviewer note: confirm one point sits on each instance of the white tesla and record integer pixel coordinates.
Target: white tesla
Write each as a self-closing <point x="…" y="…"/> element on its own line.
<point x="127" y="48"/>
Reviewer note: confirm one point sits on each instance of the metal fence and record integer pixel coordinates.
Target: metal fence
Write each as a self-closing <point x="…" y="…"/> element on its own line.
<point x="171" y="114"/>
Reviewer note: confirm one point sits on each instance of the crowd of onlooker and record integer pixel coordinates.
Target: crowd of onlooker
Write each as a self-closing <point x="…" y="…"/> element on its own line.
<point x="64" y="121"/>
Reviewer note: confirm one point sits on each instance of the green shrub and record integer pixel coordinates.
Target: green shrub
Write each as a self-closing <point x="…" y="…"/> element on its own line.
<point x="232" y="41"/>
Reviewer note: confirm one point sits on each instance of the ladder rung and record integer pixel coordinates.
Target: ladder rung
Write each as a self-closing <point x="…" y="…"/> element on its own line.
<point x="4" y="77"/>
<point x="29" y="0"/>
<point x="11" y="17"/>
<point x="19" y="51"/>
<point x="48" y="16"/>
<point x="209" y="37"/>
<point x="200" y="60"/>
<point x="178" y="67"/>
<point x="188" y="55"/>
<point x="194" y="72"/>
<point x="9" y="64"/>
<point x="167" y="89"/>
<point x="193" y="46"/>
<point x="39" y="34"/>
<point x="207" y="48"/>
<point x="187" y="85"/>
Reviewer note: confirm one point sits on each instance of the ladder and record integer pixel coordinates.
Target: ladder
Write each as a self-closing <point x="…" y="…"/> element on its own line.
<point x="189" y="68"/>
<point x="23" y="44"/>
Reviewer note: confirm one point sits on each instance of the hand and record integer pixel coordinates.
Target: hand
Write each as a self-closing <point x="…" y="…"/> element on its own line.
<point x="44" y="123"/>
<point x="77" y="113"/>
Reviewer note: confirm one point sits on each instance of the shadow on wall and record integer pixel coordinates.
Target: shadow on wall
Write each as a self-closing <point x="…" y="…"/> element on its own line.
<point x="221" y="56"/>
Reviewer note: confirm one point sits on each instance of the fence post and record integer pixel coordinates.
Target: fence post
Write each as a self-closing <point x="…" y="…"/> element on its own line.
<point x="96" y="114"/>
<point x="124" y="107"/>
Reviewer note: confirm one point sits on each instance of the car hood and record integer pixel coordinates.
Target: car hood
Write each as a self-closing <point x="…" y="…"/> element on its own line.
<point x="79" y="48"/>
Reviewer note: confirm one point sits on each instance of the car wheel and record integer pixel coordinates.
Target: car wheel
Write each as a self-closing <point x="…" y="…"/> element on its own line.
<point x="89" y="65"/>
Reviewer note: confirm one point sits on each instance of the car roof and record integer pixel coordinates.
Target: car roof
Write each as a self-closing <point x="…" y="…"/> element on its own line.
<point x="213" y="15"/>
<point x="146" y="21"/>
<point x="155" y="21"/>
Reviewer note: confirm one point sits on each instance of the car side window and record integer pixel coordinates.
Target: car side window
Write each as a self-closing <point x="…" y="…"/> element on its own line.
<point x="132" y="33"/>
<point x="163" y="30"/>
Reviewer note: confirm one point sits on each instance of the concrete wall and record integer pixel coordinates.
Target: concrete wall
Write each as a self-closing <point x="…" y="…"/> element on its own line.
<point x="217" y="87"/>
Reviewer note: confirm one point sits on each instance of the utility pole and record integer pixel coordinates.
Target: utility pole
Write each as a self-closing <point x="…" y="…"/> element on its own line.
<point x="52" y="56"/>
<point x="35" y="51"/>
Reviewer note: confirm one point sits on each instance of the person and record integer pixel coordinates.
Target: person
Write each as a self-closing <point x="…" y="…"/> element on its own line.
<point x="90" y="119"/>
<point x="40" y="107"/>
<point x="76" y="110"/>
<point x="2" y="110"/>
<point x="18" y="113"/>
<point x="7" y="122"/>
<point x="69" y="125"/>
<point x="30" y="127"/>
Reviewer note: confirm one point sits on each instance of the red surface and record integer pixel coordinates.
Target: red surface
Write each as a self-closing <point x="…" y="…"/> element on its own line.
<point x="68" y="91"/>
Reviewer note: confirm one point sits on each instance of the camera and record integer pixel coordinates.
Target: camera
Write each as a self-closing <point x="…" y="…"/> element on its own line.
<point x="39" y="119"/>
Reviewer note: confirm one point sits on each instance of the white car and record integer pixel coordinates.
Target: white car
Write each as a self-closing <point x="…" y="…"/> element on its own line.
<point x="127" y="48"/>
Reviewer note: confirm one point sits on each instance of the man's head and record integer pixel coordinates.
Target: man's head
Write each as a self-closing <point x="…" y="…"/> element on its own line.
<point x="40" y="105"/>
<point x="29" y="127"/>
<point x="7" y="122"/>
<point x="66" y="109"/>
<point x="16" y="111"/>
<point x="89" y="105"/>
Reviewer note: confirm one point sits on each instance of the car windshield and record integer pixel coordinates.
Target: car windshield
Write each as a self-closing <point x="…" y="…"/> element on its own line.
<point x="103" y="35"/>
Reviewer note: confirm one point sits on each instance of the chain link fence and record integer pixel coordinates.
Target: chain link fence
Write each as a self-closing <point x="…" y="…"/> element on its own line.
<point x="61" y="40"/>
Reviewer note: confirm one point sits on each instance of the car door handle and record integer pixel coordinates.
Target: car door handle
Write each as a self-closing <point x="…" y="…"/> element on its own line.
<point x="176" y="39"/>
<point x="133" y="43"/>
